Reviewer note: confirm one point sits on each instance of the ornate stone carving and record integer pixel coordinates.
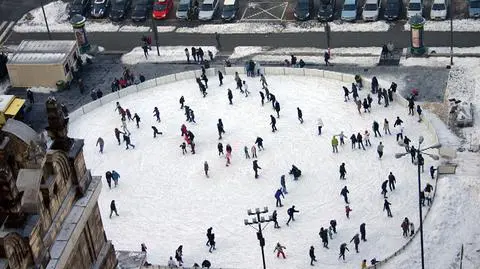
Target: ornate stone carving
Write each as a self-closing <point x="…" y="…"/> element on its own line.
<point x="18" y="252"/>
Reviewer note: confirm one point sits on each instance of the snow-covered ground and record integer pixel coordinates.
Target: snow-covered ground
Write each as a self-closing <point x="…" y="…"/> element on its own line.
<point x="462" y="25"/>
<point x="4" y="84"/>
<point x="168" y="54"/>
<point x="165" y="200"/>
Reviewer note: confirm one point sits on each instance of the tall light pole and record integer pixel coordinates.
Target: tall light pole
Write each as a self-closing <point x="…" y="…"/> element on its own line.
<point x="259" y="220"/>
<point x="419" y="155"/>
<point x="46" y="22"/>
<point x="451" y="33"/>
<point x="155" y="33"/>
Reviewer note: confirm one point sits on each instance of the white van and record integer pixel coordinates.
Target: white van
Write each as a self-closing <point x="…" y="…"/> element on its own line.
<point x="371" y="10"/>
<point x="415" y="7"/>
<point x="439" y="10"/>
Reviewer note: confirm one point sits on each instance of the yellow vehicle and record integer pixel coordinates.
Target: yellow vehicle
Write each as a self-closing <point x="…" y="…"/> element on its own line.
<point x="11" y="107"/>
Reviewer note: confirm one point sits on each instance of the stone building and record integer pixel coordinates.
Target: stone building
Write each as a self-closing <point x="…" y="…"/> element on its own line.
<point x="49" y="215"/>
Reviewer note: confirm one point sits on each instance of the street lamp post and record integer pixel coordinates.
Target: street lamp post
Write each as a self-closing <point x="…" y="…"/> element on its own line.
<point x="45" y="18"/>
<point x="419" y="154"/>
<point x="451" y="34"/>
<point x="259" y="220"/>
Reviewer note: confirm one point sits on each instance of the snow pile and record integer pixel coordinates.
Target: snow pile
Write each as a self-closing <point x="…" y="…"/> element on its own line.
<point x="43" y="89"/>
<point x="233" y="28"/>
<point x="460" y="25"/>
<point x="165" y="200"/>
<point x="456" y="50"/>
<point x="4" y="84"/>
<point x="377" y="26"/>
<point x="168" y="54"/>
<point x="308" y="59"/>
<point x="244" y="51"/>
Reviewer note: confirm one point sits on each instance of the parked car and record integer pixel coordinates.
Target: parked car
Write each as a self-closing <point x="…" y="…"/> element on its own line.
<point x="184" y="6"/>
<point x="141" y="10"/>
<point x="303" y="9"/>
<point x="99" y="8"/>
<point x="474" y="8"/>
<point x="415" y="7"/>
<point x="161" y="8"/>
<point x="78" y="7"/>
<point x="371" y="9"/>
<point x="326" y="10"/>
<point x="119" y="9"/>
<point x="393" y="10"/>
<point x="349" y="10"/>
<point x="207" y="9"/>
<point x="230" y="10"/>
<point x="439" y="10"/>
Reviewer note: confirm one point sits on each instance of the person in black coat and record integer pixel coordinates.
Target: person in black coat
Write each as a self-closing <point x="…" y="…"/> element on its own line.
<point x="205" y="79"/>
<point x="324" y="236"/>
<point x="108" y="176"/>
<point x="356" y="241"/>
<point x="259" y="142"/>
<point x="277" y="109"/>
<point x="220" y="78"/>
<point x="362" y="232"/>
<point x="360" y="141"/>
<point x="262" y="96"/>
<point x="220" y="149"/>
<point x="190" y="136"/>
<point x="344" y="193"/>
<point x="346" y="94"/>
<point x="230" y="96"/>
<point x="398" y="122"/>
<point x="354" y="92"/>
<point x="206" y="264"/>
<point x="274" y="219"/>
<point x="384" y="189"/>
<point x="273" y="122"/>
<point x="311" y="253"/>
<point x="374" y="85"/>
<point x="194" y="54"/>
<point x="391" y="181"/>
<point x="113" y="208"/>
<point x="117" y="135"/>
<point x="411" y="106"/>
<point x="155" y="132"/>
<point x="290" y="213"/>
<point x="137" y="119"/>
<point x="182" y="101"/>
<point x="333" y="224"/>
<point x="353" y="138"/>
<point x="376" y="128"/>
<point x="343" y="171"/>
<point x="273" y="99"/>
<point x="295" y="172"/>
<point x="220" y="128"/>
<point x="156" y="113"/>
<point x="343" y="247"/>
<point x="300" y="115"/>
<point x="127" y="140"/>
<point x="256" y="167"/>
<point x="386" y="206"/>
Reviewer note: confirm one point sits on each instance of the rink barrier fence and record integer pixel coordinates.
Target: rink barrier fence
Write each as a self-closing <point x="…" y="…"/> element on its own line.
<point x="347" y="78"/>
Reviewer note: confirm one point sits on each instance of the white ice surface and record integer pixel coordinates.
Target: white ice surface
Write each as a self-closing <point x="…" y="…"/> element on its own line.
<point x="167" y="54"/>
<point x="165" y="200"/>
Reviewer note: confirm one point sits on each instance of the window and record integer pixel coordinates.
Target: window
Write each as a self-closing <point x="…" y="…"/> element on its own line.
<point x="67" y="68"/>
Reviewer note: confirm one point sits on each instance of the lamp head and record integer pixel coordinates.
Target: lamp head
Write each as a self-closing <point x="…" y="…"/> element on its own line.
<point x="420" y="139"/>
<point x="436" y="146"/>
<point x="399" y="155"/>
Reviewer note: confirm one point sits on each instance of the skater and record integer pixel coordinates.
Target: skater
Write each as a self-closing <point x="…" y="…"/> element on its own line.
<point x="334" y="144"/>
<point x="356" y="241"/>
<point x="384" y="189"/>
<point x="192" y="147"/>
<point x="187" y="53"/>
<point x="211" y="241"/>
<point x="262" y="97"/>
<point x="330" y="232"/>
<point x="220" y="128"/>
<point x="267" y="94"/>
<point x="229" y="153"/>
<point x="343" y="171"/>
<point x="419" y="111"/>
<point x="183" y="146"/>
<point x="245" y="88"/>
<point x="192" y="116"/>
<point x="230" y="96"/>
<point x="360" y="141"/>
<point x="385" y="97"/>
<point x="264" y="81"/>
<point x="117" y="135"/>
<point x="205" y="264"/>
<point x="129" y="114"/>
<point x="274" y="219"/>
<point x="324" y="236"/>
<point x="108" y="177"/>
<point x="366" y="106"/>
<point x="209" y="234"/>
<point x="359" y="106"/>
<point x="379" y="96"/>
<point x="346" y="94"/>
<point x="399" y="130"/>
<point x="354" y="92"/>
<point x="363" y="265"/>
<point x="386" y="127"/>
<point x="205" y="79"/>
<point x="259" y="142"/>
<point x="256" y="167"/>
<point x="405" y="226"/>
<point x="406" y="144"/>
<point x="190" y="136"/>
<point x="155" y="132"/>
<point x="277" y="108"/>
<point x="273" y="99"/>
<point x="187" y="113"/>
<point x="137" y="119"/>
<point x="279" y="249"/>
<point x="386" y="206"/>
<point x="245" y="149"/>
<point x="342" y="136"/>
<point x="347" y="211"/>
<point x="295" y="172"/>
<point x="366" y="135"/>
<point x="291" y="211"/>
<point x="220" y="149"/>
<point x="220" y="77"/>
<point x="254" y="152"/>
<point x="319" y="125"/>
<point x="300" y="115"/>
<point x="143" y="247"/>
<point x="412" y="229"/>
<point x="391" y="181"/>
<point x="124" y="125"/>
<point x="411" y="106"/>
<point x="179" y="254"/>
<point x="279" y="193"/>
<point x="344" y="193"/>
<point x="100" y="143"/>
<point x="343" y="247"/>
<point x="312" y="255"/>
<point x="273" y="122"/>
<point x="115" y="177"/>
<point x="374" y="85"/>
<point x="432" y="172"/>
<point x="282" y="183"/>
<point x="182" y="101"/>
<point x="113" y="208"/>
<point x="370" y="100"/>
<point x="375" y="128"/>
<point x="171" y="263"/>
<point x="156" y="113"/>
<point x="126" y="138"/>
<point x="362" y="232"/>
<point x="326" y="58"/>
<point x="205" y="168"/>
<point x="353" y="138"/>
<point x="380" y="150"/>
<point x="333" y="225"/>
<point x="398" y="122"/>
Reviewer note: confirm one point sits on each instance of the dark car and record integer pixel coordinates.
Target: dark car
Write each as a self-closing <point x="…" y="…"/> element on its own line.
<point x="119" y="9"/>
<point x="80" y="7"/>
<point x="326" y="10"/>
<point x="141" y="10"/>
<point x="99" y="8"/>
<point x="393" y="10"/>
<point x="303" y="9"/>
<point x="230" y="9"/>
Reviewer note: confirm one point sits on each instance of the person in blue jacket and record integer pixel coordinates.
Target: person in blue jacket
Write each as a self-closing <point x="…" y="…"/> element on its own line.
<point x="277" y="196"/>
<point x="115" y="177"/>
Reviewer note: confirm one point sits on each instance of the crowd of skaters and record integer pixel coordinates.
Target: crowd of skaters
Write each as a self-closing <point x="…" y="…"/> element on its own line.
<point x="251" y="152"/>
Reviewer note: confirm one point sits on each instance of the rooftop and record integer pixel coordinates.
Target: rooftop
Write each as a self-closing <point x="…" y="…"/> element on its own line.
<point x="42" y="51"/>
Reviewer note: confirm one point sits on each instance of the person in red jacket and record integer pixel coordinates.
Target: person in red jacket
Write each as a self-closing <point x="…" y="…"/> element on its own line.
<point x="347" y="211"/>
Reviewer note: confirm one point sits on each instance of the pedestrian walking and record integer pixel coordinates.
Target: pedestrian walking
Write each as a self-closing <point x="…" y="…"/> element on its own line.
<point x="100" y="143"/>
<point x="432" y="172"/>
<point x="113" y="208"/>
<point x="217" y="38"/>
<point x="311" y="253"/>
